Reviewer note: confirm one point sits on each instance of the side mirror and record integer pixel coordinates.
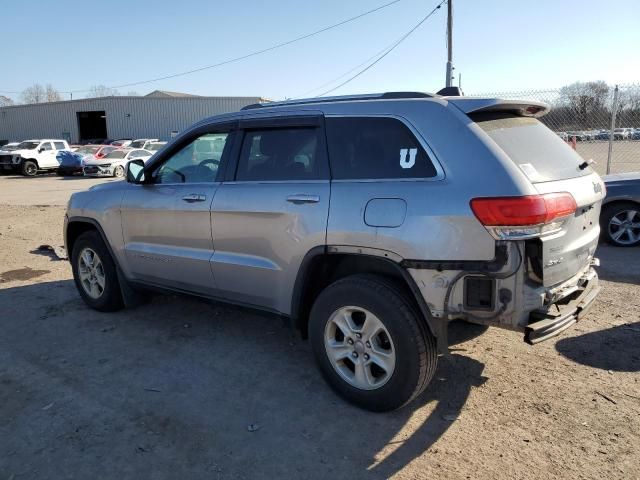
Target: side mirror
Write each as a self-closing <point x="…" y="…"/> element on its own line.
<point x="135" y="171"/>
<point x="41" y="149"/>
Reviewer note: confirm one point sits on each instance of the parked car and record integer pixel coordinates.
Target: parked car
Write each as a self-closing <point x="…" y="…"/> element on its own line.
<point x="339" y="214"/>
<point x="563" y="136"/>
<point x="142" y="142"/>
<point x="71" y="162"/>
<point x="114" y="163"/>
<point x="103" y="150"/>
<point x="579" y="136"/>
<point x="32" y="156"/>
<point x="620" y="217"/>
<point x="636" y="134"/>
<point x="155" y="146"/>
<point x="6" y="151"/>
<point x="620" y="134"/>
<point x="603" y="135"/>
<point x="9" y="147"/>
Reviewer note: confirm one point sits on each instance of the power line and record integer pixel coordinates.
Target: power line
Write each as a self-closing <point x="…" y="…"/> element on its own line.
<point x="386" y="51"/>
<point x="252" y="54"/>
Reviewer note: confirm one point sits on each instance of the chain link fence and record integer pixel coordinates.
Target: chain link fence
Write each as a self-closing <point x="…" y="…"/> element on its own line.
<point x="601" y="122"/>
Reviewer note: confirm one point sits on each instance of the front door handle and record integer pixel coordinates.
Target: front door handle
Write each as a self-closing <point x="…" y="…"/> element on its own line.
<point x="303" y="198"/>
<point x="194" y="197"/>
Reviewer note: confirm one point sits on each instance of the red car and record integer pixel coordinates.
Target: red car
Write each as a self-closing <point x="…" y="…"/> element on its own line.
<point x="98" y="151"/>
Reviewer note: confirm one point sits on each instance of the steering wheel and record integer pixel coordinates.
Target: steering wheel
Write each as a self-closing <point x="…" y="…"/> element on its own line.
<point x="209" y="161"/>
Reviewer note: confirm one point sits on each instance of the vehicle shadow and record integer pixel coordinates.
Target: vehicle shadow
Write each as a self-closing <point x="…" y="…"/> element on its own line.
<point x="613" y="349"/>
<point x="180" y="381"/>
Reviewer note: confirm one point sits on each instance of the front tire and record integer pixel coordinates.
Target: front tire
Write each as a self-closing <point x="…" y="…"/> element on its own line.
<point x="29" y="168"/>
<point x="370" y="344"/>
<point x="118" y="172"/>
<point x="94" y="273"/>
<point x="620" y="224"/>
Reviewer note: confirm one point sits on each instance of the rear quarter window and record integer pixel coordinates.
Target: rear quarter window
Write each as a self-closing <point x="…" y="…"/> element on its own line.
<point x="539" y="153"/>
<point x="375" y="148"/>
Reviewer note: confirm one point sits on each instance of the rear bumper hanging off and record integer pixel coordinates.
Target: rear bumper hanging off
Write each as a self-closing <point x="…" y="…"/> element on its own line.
<point x="561" y="315"/>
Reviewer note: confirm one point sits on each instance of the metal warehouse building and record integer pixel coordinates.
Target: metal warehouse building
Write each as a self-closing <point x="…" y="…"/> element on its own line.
<point x="157" y="115"/>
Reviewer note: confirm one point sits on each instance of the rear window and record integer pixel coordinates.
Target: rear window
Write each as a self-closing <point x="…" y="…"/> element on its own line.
<point x="375" y="148"/>
<point x="536" y="150"/>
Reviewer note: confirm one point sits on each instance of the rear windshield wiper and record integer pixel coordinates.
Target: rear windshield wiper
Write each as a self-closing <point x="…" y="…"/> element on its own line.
<point x="586" y="163"/>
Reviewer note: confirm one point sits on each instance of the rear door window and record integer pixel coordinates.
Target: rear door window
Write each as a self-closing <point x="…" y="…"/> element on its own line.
<point x="375" y="148"/>
<point x="535" y="149"/>
<point x="59" y="145"/>
<point x="280" y="154"/>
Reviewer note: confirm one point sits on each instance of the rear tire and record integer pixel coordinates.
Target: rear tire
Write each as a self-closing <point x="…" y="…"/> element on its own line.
<point x="94" y="273"/>
<point x="29" y="168"/>
<point x="620" y="224"/>
<point x="398" y="362"/>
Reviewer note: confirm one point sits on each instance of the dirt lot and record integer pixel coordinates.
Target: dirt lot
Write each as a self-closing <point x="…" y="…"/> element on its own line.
<point x="168" y="390"/>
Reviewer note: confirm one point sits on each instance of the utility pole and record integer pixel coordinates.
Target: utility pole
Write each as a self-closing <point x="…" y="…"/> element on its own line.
<point x="449" y="43"/>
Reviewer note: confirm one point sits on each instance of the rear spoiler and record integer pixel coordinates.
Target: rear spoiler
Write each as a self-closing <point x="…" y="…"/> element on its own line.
<point x="523" y="108"/>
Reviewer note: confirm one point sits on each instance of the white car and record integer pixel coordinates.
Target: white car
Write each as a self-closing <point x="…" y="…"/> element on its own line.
<point x="142" y="142"/>
<point x="155" y="146"/>
<point x="114" y="164"/>
<point x="32" y="156"/>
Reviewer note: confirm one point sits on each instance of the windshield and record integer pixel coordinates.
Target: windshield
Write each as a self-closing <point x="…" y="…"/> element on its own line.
<point x="537" y="151"/>
<point x="154" y="147"/>
<point x="87" y="149"/>
<point x="116" y="154"/>
<point x="27" y="145"/>
<point x="137" y="144"/>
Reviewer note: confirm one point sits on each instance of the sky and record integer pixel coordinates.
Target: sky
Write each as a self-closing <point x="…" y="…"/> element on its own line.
<point x="498" y="45"/>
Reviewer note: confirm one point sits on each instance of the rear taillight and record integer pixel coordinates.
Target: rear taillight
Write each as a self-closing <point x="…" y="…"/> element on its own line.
<point x="524" y="217"/>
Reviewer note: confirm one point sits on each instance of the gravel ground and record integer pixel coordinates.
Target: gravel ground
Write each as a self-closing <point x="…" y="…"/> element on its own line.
<point x="183" y="388"/>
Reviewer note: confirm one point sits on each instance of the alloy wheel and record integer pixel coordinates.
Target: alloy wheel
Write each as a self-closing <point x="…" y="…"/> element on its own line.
<point x="91" y="273"/>
<point x="624" y="227"/>
<point x="359" y="347"/>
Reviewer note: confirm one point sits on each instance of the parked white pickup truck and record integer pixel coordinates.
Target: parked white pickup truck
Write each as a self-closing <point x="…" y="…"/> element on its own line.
<point x="32" y="156"/>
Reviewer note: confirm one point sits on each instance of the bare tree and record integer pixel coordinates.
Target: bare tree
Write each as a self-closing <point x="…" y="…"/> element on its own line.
<point x="587" y="100"/>
<point x="52" y="95"/>
<point x="36" y="93"/>
<point x="102" y="91"/>
<point x="133" y="93"/>
<point x="5" y="101"/>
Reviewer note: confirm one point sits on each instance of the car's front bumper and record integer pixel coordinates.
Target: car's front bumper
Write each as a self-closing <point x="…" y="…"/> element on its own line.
<point x="98" y="171"/>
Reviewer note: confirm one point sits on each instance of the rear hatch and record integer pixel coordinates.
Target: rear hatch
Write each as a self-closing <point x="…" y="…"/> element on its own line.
<point x="551" y="166"/>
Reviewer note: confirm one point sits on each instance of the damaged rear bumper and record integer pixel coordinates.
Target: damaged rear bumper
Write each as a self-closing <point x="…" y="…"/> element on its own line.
<point x="564" y="313"/>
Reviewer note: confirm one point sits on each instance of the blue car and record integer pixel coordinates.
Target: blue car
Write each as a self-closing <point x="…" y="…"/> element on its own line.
<point x="71" y="162"/>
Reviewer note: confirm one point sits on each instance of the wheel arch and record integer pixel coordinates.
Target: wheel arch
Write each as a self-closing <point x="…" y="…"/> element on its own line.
<point x="76" y="226"/>
<point x="34" y="160"/>
<point x="620" y="200"/>
<point x="322" y="266"/>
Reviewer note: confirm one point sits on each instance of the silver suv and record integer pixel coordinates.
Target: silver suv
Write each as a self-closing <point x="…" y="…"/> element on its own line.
<point x="370" y="222"/>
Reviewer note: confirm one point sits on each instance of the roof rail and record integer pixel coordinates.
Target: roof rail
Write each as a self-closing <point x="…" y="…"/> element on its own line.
<point x="342" y="98"/>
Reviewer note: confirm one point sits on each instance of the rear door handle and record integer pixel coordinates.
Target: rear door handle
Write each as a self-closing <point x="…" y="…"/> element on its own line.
<point x="303" y="198"/>
<point x="194" y="197"/>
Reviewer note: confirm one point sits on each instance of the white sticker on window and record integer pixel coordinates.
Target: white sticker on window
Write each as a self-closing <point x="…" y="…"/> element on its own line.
<point x="408" y="157"/>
